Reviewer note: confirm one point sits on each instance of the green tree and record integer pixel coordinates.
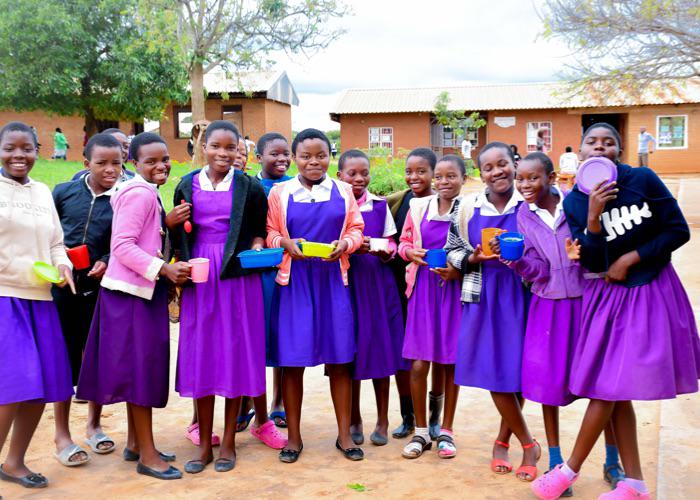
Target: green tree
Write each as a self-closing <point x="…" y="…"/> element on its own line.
<point x="456" y="120"/>
<point x="626" y="45"/>
<point x="84" y="57"/>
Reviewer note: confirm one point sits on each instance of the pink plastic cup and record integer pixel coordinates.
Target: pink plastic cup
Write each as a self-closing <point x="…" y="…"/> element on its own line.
<point x="200" y="270"/>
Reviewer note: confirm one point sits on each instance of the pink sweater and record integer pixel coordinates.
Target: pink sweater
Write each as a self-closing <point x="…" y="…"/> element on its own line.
<point x="135" y="258"/>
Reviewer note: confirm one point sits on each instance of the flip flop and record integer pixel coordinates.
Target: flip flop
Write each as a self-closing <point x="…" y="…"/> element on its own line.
<point x="31" y="480"/>
<point x="279" y="415"/>
<point x="244" y="419"/>
<point x="64" y="456"/>
<point x="96" y="440"/>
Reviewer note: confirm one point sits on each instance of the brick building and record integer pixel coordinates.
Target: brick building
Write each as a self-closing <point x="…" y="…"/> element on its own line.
<point x="256" y="102"/>
<point x="402" y="119"/>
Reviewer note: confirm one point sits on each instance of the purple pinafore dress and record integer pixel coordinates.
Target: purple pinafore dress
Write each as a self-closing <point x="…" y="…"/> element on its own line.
<point x="311" y="318"/>
<point x="377" y="307"/>
<point x="434" y="306"/>
<point x="490" y="347"/>
<point x="221" y="351"/>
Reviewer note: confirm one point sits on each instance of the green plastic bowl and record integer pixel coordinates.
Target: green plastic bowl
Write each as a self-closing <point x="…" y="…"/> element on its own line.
<point x="47" y="272"/>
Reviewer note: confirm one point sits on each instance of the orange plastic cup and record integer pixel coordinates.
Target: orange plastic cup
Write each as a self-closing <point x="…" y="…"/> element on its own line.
<point x="486" y="235"/>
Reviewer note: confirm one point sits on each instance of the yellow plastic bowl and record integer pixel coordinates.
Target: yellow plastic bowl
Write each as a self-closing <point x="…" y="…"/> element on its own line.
<point x="313" y="249"/>
<point x="47" y="272"/>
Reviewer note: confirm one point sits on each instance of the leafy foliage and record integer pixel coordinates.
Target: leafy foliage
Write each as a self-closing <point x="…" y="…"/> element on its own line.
<point x="455" y="119"/>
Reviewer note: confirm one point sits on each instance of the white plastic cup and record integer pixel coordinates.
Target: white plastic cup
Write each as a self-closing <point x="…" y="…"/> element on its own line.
<point x="379" y="245"/>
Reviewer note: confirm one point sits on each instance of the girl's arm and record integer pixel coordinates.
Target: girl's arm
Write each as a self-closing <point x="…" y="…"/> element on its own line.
<point x="406" y="239"/>
<point x="531" y="266"/>
<point x="594" y="249"/>
<point x="131" y="212"/>
<point x="274" y="208"/>
<point x="457" y="248"/>
<point x="258" y="210"/>
<point x="57" y="248"/>
<point x="353" y="232"/>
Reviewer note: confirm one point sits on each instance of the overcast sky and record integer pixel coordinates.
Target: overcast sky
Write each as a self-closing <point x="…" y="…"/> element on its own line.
<point x="412" y="43"/>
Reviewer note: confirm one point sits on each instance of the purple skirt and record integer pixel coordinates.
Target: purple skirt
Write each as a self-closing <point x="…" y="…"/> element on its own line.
<point x="221" y="350"/>
<point x="636" y="343"/>
<point x="127" y="355"/>
<point x="34" y="364"/>
<point x="432" y="325"/>
<point x="553" y="328"/>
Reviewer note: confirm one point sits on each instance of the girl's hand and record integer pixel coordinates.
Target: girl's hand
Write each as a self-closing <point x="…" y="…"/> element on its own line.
<point x="447" y="273"/>
<point x="573" y="249"/>
<point x="67" y="275"/>
<point x="385" y="256"/>
<point x="364" y="248"/>
<point x="257" y="245"/>
<point x="178" y="215"/>
<point x="98" y="270"/>
<point x="602" y="193"/>
<point x="178" y="272"/>
<point x="495" y="245"/>
<point x="619" y="269"/>
<point x="416" y="255"/>
<point x="478" y="256"/>
<point x="292" y="247"/>
<point x="340" y="248"/>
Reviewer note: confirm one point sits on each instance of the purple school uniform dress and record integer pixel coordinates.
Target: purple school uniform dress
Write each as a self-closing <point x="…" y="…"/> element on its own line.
<point x="554" y="318"/>
<point x="34" y="363"/>
<point x="221" y="351"/>
<point x="312" y="320"/>
<point x="490" y="347"/>
<point x="433" y="318"/>
<point x="377" y="307"/>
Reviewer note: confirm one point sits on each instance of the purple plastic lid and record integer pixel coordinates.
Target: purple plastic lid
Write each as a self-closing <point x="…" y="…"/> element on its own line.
<point x="593" y="171"/>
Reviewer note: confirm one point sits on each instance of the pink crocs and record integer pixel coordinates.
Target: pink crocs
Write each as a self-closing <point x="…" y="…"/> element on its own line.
<point x="624" y="491"/>
<point x="193" y="435"/>
<point x="551" y="485"/>
<point x="270" y="435"/>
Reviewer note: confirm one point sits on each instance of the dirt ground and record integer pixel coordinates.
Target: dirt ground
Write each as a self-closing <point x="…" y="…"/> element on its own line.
<point x="667" y="435"/>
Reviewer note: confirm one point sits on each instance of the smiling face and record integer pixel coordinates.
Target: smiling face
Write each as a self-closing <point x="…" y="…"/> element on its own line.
<point x="105" y="165"/>
<point x="419" y="176"/>
<point x="532" y="181"/>
<point x="497" y="170"/>
<point x="448" y="180"/>
<point x="241" y="159"/>
<point x="312" y="159"/>
<point x="275" y="159"/>
<point x="356" y="173"/>
<point x="18" y="154"/>
<point x="600" y="141"/>
<point x="221" y="150"/>
<point x="153" y="163"/>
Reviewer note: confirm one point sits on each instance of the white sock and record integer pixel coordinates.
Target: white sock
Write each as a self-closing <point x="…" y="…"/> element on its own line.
<point x="637" y="484"/>
<point x="424" y="433"/>
<point x="568" y="472"/>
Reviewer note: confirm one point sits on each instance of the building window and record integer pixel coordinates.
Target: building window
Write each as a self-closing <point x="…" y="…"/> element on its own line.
<point x="381" y="137"/>
<point x="183" y="122"/>
<point x="532" y="129"/>
<point x="448" y="138"/>
<point x="233" y="114"/>
<point x="672" y="132"/>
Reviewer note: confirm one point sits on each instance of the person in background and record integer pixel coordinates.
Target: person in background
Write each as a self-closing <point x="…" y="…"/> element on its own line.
<point x="124" y="143"/>
<point x="466" y="149"/>
<point x="516" y="155"/>
<point x="249" y="147"/>
<point x="334" y="150"/>
<point x="568" y="166"/>
<point x="541" y="142"/>
<point x="241" y="162"/>
<point x="36" y="138"/>
<point x="647" y="143"/>
<point x="60" y="145"/>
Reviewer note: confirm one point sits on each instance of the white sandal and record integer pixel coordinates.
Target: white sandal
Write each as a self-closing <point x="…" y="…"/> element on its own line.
<point x="416" y="447"/>
<point x="97" y="439"/>
<point x="64" y="456"/>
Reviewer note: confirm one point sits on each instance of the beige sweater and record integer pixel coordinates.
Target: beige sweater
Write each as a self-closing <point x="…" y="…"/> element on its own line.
<point x="30" y="231"/>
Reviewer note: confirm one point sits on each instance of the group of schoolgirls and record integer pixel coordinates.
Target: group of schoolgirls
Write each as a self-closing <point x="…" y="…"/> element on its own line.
<point x="573" y="318"/>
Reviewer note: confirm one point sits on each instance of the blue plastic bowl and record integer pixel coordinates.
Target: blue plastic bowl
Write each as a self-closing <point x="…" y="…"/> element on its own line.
<point x="436" y="257"/>
<point x="512" y="245"/>
<point x="267" y="257"/>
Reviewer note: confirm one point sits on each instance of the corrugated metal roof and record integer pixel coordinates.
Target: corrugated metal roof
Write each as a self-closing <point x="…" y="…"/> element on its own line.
<point x="491" y="97"/>
<point x="275" y="84"/>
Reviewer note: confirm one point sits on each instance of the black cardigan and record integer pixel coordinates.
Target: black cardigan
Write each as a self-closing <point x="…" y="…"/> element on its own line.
<point x="248" y="221"/>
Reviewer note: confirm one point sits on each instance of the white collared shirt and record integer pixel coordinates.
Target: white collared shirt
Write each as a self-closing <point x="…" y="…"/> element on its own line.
<point x="389" y="225"/>
<point x="434" y="213"/>
<point x="318" y="193"/>
<point x="109" y="192"/>
<point x="205" y="183"/>
<point x="488" y="209"/>
<point x="545" y="215"/>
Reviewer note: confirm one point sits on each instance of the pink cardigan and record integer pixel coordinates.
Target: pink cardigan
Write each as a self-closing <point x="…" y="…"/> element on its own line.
<point x="277" y="227"/>
<point x="135" y="259"/>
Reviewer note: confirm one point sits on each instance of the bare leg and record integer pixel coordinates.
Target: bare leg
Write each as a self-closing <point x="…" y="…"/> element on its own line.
<point x="437" y="379"/>
<point x="26" y="420"/>
<point x="508" y="406"/>
<point x="194" y="412"/>
<point x="355" y="413"/>
<point x="228" y="443"/>
<point x="451" y="395"/>
<point x="7" y="416"/>
<point x="143" y="429"/>
<point x="205" y="415"/>
<point x="260" y="406"/>
<point x="381" y="395"/>
<point x="551" y="424"/>
<point x="504" y="434"/>
<point x="596" y="418"/>
<point x="276" y="390"/>
<point x="131" y="441"/>
<point x="341" y="393"/>
<point x="293" y="395"/>
<point x="419" y="390"/>
<point x="94" y="423"/>
<point x="624" y="422"/>
<point x="403" y="382"/>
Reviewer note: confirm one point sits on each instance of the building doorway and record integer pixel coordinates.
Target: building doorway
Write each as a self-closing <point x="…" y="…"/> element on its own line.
<point x="617" y="120"/>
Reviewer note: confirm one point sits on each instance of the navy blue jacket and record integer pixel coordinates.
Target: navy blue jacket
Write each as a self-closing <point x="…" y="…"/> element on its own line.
<point x="644" y="217"/>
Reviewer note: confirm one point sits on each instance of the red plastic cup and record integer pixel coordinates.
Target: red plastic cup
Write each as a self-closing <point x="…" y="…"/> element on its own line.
<point x="79" y="256"/>
<point x="200" y="270"/>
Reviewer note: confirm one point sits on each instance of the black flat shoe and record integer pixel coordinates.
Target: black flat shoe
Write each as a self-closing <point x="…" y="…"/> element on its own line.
<point x="171" y="473"/>
<point x="406" y="428"/>
<point x="377" y="439"/>
<point x="195" y="466"/>
<point x="132" y="456"/>
<point x="357" y="437"/>
<point x="31" y="480"/>
<point x="290" y="456"/>
<point x="224" y="464"/>
<point x="354" y="454"/>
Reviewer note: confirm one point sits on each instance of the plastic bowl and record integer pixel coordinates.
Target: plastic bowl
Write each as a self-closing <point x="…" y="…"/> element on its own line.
<point x="267" y="257"/>
<point x="593" y="171"/>
<point x="436" y="257"/>
<point x="313" y="249"/>
<point x="47" y="272"/>
<point x="512" y="245"/>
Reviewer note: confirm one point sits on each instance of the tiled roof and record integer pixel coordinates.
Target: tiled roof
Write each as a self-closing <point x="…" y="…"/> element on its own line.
<point x="275" y="84"/>
<point x="488" y="97"/>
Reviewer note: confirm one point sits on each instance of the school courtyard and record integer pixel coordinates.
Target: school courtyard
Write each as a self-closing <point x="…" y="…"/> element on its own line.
<point x="667" y="434"/>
